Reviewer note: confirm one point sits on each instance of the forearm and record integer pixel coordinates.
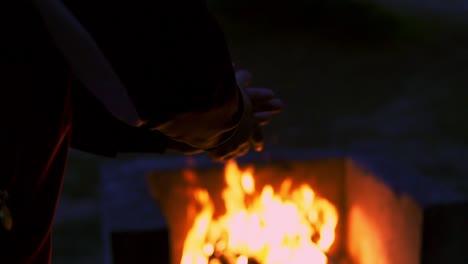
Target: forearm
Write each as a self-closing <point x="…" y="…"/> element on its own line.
<point x="174" y="62"/>
<point x="195" y="76"/>
<point x="205" y="130"/>
<point x="97" y="131"/>
<point x="201" y="102"/>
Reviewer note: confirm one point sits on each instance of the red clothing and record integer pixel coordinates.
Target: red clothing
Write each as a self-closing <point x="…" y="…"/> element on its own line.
<point x="35" y="185"/>
<point x="34" y="145"/>
<point x="35" y="133"/>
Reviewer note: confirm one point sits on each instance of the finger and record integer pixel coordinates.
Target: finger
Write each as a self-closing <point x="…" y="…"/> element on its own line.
<point x="221" y="155"/>
<point x="257" y="139"/>
<point x="273" y="106"/>
<point x="243" y="78"/>
<point x="192" y="152"/>
<point x="180" y="147"/>
<point x="241" y="151"/>
<point x="224" y="154"/>
<point x="263" y="118"/>
<point x="259" y="94"/>
<point x="225" y="158"/>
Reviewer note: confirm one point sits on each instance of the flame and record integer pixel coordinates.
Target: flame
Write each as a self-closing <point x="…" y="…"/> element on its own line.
<point x="291" y="226"/>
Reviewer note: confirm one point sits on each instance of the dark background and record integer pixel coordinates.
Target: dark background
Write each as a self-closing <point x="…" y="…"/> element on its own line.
<point x="354" y="75"/>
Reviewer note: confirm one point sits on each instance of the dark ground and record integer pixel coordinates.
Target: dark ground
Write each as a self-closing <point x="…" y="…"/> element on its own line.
<point x="348" y="78"/>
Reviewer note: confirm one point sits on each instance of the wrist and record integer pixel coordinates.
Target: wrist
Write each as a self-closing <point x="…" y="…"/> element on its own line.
<point x="235" y="121"/>
<point x="241" y="120"/>
<point x="205" y="130"/>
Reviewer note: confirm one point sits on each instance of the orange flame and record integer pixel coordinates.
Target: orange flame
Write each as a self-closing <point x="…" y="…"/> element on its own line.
<point x="292" y="227"/>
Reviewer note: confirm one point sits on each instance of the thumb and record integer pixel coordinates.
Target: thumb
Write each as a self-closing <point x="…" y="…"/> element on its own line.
<point x="257" y="139"/>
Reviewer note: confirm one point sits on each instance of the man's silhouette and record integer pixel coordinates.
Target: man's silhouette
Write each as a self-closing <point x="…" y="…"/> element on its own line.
<point x="131" y="76"/>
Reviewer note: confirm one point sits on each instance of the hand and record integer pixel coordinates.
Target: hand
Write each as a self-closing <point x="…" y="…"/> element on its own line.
<point x="259" y="107"/>
<point x="264" y="103"/>
<point x="182" y="148"/>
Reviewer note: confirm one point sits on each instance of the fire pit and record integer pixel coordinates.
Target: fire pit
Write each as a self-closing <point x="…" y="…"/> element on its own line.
<point x="279" y="208"/>
<point x="263" y="217"/>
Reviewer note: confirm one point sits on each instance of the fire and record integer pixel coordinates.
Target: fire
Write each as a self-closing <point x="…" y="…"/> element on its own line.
<point x="291" y="226"/>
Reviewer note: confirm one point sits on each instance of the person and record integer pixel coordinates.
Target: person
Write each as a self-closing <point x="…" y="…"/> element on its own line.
<point x="110" y="77"/>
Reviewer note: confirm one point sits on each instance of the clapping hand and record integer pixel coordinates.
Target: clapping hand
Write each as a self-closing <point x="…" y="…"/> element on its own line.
<point x="260" y="105"/>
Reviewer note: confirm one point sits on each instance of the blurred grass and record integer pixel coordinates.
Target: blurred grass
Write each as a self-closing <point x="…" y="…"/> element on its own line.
<point x="78" y="242"/>
<point x="322" y="75"/>
<point x="82" y="176"/>
<point x="327" y="62"/>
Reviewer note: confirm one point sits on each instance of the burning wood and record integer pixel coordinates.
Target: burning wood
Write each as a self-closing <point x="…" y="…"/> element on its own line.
<point x="291" y="226"/>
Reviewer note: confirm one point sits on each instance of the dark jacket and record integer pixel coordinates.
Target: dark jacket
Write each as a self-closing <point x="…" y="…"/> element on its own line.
<point x="96" y="131"/>
<point x="172" y="57"/>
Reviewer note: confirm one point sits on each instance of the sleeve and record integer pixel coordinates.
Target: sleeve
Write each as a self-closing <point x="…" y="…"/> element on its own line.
<point x="172" y="56"/>
<point x="96" y="131"/>
<point x="195" y="73"/>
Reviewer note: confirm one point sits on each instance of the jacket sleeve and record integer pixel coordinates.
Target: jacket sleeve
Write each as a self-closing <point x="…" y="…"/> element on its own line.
<point x="96" y="131"/>
<point x="171" y="56"/>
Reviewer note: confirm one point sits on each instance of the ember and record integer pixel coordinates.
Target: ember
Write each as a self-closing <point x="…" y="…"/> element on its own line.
<point x="291" y="225"/>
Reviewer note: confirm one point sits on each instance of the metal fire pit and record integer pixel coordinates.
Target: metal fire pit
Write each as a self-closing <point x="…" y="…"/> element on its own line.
<point x="389" y="211"/>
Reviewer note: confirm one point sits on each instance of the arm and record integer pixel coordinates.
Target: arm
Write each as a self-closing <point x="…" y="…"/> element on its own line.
<point x="174" y="63"/>
<point x="97" y="131"/>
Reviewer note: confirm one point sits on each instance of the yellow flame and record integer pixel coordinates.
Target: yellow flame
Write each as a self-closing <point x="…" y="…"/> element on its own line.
<point x="293" y="226"/>
<point x="242" y="260"/>
<point x="248" y="184"/>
